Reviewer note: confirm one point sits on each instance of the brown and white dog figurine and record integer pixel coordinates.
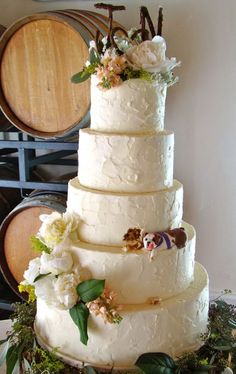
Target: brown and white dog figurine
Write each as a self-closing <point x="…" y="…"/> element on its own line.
<point x="164" y="240"/>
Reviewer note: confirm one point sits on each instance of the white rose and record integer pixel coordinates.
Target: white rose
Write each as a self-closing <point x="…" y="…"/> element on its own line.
<point x="65" y="290"/>
<point x="57" y="228"/>
<point x="59" y="292"/>
<point x="44" y="289"/>
<point x="150" y="56"/>
<point x="33" y="270"/>
<point x="56" y="263"/>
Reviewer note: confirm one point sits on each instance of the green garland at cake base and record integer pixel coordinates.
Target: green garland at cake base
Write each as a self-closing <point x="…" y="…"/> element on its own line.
<point x="218" y="352"/>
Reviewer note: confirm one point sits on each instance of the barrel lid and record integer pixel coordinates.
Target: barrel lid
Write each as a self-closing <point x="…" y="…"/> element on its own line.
<point x="38" y="56"/>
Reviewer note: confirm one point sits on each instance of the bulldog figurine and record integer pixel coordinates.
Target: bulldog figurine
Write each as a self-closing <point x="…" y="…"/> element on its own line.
<point x="164" y="240"/>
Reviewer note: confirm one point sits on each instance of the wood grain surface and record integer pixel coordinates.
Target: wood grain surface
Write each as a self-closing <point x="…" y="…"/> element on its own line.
<point x="17" y="246"/>
<point x="37" y="64"/>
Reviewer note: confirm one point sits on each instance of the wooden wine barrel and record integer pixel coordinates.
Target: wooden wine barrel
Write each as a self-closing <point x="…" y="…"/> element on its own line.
<point x="38" y="56"/>
<point x="17" y="228"/>
<point x="4" y="123"/>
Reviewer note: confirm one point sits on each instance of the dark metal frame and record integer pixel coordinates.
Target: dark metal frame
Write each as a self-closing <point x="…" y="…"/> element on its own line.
<point x="26" y="159"/>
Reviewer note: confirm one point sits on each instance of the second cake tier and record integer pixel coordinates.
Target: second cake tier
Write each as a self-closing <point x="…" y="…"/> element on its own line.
<point x="125" y="162"/>
<point x="106" y="216"/>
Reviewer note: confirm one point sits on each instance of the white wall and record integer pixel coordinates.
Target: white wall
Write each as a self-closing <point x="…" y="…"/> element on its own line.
<point x="201" y="109"/>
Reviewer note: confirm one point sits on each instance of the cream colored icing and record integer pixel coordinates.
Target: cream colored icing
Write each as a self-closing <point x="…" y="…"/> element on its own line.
<point x="136" y="106"/>
<point x="172" y="327"/>
<point x="132" y="276"/>
<point x="106" y="217"/>
<point x="126" y="163"/>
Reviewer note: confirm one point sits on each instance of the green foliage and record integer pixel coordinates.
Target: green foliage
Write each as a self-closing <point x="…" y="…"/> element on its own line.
<point x="167" y="78"/>
<point x="21" y="338"/>
<point x="146" y="76"/>
<point x="38" y="245"/>
<point x="158" y="363"/>
<point x="94" y="57"/>
<point x="90" y="290"/>
<point x="80" y="77"/>
<point x="42" y="360"/>
<point x="79" y="314"/>
<point x="129" y="73"/>
<point x="13" y="357"/>
<point x="28" y="288"/>
<point x="24" y="314"/>
<point x="192" y="363"/>
<point x="105" y="83"/>
<point x="88" y="70"/>
<point x="163" y="78"/>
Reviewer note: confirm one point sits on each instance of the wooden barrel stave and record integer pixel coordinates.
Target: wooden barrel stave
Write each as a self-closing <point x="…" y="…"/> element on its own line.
<point x="4" y="123"/>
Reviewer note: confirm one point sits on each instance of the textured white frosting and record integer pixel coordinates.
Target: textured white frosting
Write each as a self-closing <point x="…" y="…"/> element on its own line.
<point x="172" y="327"/>
<point x="136" y="106"/>
<point x="132" y="275"/>
<point x="126" y="163"/>
<point x="106" y="216"/>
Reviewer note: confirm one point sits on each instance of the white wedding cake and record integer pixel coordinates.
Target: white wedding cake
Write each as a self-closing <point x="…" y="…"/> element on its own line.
<point x="125" y="198"/>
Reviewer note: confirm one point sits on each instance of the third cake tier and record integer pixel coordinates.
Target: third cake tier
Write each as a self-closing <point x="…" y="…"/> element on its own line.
<point x="106" y="216"/>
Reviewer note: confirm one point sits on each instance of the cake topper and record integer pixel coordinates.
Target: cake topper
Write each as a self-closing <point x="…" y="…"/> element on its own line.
<point x="144" y="15"/>
<point x="111" y="8"/>
<point x="122" y="55"/>
<point x="133" y="239"/>
<point x="136" y="239"/>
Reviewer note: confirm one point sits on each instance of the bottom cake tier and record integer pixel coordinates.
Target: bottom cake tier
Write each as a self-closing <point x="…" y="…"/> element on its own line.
<point x="174" y="326"/>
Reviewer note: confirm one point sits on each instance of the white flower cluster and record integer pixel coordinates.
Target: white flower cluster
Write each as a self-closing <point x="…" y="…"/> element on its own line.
<point x="150" y="56"/>
<point x="58" y="230"/>
<point x="54" y="275"/>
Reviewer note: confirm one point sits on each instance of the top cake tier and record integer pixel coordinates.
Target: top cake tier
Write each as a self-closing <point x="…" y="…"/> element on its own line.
<point x="136" y="106"/>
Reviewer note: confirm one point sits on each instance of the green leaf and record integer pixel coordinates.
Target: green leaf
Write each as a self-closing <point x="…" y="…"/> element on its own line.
<point x="204" y="368"/>
<point x="232" y="323"/>
<point x="80" y="313"/>
<point x="40" y="276"/>
<point x="221" y="304"/>
<point x="4" y="353"/>
<point x="38" y="245"/>
<point x="12" y="357"/>
<point x="80" y="77"/>
<point x="90" y="290"/>
<point x="158" y="363"/>
<point x="93" y="56"/>
<point x="16" y="369"/>
<point x="222" y="347"/>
